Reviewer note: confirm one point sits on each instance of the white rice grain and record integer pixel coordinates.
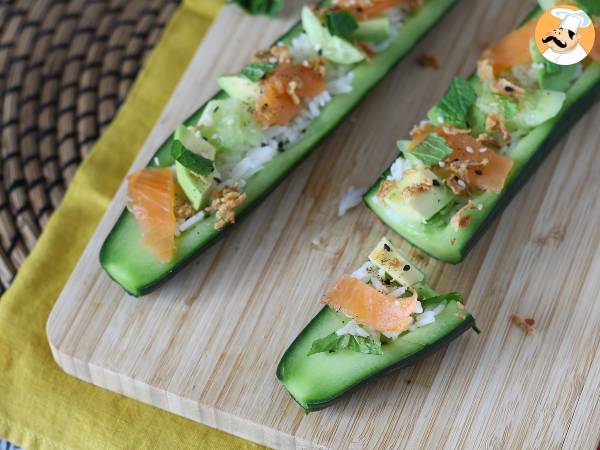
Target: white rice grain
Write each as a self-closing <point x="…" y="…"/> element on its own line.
<point x="351" y="198"/>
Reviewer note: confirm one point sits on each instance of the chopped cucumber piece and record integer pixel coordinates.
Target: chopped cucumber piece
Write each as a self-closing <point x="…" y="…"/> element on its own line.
<point x="417" y="205"/>
<point x="533" y="108"/>
<point x="194" y="162"/>
<point x="240" y="88"/>
<point x="229" y="125"/>
<point x="537" y="107"/>
<point x="373" y="30"/>
<point x="334" y="48"/>
<point x="388" y="258"/>
<point x="193" y="141"/>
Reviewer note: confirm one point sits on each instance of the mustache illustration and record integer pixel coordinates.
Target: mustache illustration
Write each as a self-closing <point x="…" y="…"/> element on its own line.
<point x="556" y="41"/>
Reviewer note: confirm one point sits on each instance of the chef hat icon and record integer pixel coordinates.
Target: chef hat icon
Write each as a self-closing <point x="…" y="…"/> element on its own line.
<point x="572" y="19"/>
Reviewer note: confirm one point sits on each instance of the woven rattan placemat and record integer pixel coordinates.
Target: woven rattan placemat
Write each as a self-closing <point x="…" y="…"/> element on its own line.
<point x="65" y="67"/>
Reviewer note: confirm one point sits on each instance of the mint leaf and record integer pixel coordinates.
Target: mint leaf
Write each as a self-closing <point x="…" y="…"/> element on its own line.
<point x="449" y="297"/>
<point x="592" y="7"/>
<point x="432" y="149"/>
<point x="335" y="343"/>
<point x="340" y="23"/>
<point x="366" y="345"/>
<point x="190" y="160"/>
<point x="330" y="343"/>
<point x="454" y="106"/>
<point x="256" y="71"/>
<point x="267" y="7"/>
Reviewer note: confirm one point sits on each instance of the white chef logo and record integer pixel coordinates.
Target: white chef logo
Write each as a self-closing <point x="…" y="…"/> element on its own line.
<point x="564" y="42"/>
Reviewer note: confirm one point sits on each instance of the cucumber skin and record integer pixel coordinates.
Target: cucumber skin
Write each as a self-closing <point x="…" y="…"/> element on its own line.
<point x="310" y="406"/>
<point x="455" y="255"/>
<point x="141" y="273"/>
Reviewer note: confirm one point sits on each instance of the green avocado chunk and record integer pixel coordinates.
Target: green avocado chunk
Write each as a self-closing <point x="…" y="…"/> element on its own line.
<point x="196" y="188"/>
<point x="240" y="87"/>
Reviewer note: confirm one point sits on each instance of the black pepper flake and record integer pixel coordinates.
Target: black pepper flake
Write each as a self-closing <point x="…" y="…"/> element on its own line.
<point x="387" y="247"/>
<point x="478" y="172"/>
<point x="319" y="52"/>
<point x="508" y="88"/>
<point x="218" y="180"/>
<point x="406" y="268"/>
<point x="436" y="182"/>
<point x="216" y="108"/>
<point x="280" y="147"/>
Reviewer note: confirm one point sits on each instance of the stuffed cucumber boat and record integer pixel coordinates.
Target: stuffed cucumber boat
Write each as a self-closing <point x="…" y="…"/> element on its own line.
<point x="380" y="318"/>
<point x="480" y="142"/>
<point x="238" y="146"/>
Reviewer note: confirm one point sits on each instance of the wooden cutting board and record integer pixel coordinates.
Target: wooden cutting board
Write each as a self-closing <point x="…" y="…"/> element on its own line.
<point x="207" y="343"/>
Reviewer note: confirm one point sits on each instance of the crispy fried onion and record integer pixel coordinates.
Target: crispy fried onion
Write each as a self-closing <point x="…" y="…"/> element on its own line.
<point x="488" y="140"/>
<point x="385" y="187"/>
<point x="276" y="54"/>
<point x="460" y="219"/>
<point x="485" y="71"/>
<point x="495" y="124"/>
<point x="506" y="87"/>
<point x="459" y="169"/>
<point x="224" y="201"/>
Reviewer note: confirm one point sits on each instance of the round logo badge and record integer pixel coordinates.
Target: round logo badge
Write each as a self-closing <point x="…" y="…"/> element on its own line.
<point x="565" y="35"/>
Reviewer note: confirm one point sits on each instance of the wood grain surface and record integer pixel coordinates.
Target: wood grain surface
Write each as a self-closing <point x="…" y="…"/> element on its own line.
<point x="207" y="343"/>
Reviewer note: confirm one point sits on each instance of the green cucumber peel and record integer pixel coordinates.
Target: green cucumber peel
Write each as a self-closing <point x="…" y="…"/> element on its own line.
<point x="190" y="160"/>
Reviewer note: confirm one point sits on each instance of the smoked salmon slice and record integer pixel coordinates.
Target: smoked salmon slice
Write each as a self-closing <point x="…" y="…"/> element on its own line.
<point x="284" y="92"/>
<point x="370" y="307"/>
<point x="151" y="199"/>
<point x="512" y="50"/>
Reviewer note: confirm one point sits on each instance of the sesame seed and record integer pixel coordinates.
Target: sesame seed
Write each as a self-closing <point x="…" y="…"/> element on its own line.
<point x="440" y="120"/>
<point x="387" y="247"/>
<point x="469" y="149"/>
<point x="461" y="183"/>
<point x="483" y="150"/>
<point x="442" y="164"/>
<point x="406" y="268"/>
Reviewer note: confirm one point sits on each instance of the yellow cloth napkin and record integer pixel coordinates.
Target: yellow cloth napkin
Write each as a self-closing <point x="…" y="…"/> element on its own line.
<point x="40" y="406"/>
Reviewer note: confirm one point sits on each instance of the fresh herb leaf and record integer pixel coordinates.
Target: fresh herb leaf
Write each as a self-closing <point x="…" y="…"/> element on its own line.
<point x="340" y="23"/>
<point x="454" y="106"/>
<point x="449" y="297"/>
<point x="267" y="7"/>
<point x="192" y="161"/>
<point x="592" y="7"/>
<point x="432" y="149"/>
<point x="329" y="343"/>
<point x="256" y="71"/>
<point x="366" y="345"/>
<point x="334" y="343"/>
